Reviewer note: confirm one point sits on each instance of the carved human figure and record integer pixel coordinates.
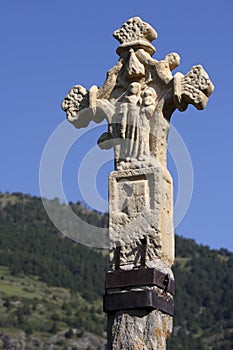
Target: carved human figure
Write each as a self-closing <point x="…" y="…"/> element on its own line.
<point x="146" y="113"/>
<point x="128" y="119"/>
<point x="123" y="117"/>
<point x="165" y="67"/>
<point x="125" y="120"/>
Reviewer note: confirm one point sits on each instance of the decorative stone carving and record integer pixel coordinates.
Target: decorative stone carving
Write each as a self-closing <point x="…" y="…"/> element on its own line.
<point x="140" y="203"/>
<point x="121" y="100"/>
<point x="76" y="100"/>
<point x="135" y="32"/>
<point x="137" y="100"/>
<point x="193" y="88"/>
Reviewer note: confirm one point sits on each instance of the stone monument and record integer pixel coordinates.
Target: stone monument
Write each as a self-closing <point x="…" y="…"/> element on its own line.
<point x="137" y="100"/>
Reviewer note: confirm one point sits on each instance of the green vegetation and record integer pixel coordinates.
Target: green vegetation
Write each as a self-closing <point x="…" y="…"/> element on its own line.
<point x="51" y="288"/>
<point x="30" y="244"/>
<point x="204" y="298"/>
<point x="36" y="308"/>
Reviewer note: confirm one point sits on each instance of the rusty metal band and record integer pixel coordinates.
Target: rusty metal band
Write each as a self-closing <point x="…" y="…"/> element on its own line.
<point x="146" y="299"/>
<point x="141" y="276"/>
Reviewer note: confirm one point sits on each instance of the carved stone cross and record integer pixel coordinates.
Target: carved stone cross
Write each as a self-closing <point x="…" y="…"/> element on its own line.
<point x="137" y="100"/>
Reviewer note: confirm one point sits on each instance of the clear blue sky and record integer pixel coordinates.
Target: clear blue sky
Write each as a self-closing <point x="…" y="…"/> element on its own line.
<point x="48" y="46"/>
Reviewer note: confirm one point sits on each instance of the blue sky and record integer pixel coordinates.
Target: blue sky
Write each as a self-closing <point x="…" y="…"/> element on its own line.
<point x="49" y="46"/>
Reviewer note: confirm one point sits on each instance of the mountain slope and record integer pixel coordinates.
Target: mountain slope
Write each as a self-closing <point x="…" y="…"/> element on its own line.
<point x="51" y="288"/>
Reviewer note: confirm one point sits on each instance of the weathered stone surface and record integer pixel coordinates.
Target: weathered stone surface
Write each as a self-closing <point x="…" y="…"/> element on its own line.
<point x="141" y="207"/>
<point x="139" y="330"/>
<point x="137" y="100"/>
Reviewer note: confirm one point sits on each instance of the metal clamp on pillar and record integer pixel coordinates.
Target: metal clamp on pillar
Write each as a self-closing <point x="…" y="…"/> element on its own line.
<point x="138" y="299"/>
<point x="139" y="277"/>
<point x="143" y="288"/>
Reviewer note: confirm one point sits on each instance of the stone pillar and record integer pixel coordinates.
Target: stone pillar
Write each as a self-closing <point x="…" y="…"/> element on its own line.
<point x="140" y="283"/>
<point x="137" y="100"/>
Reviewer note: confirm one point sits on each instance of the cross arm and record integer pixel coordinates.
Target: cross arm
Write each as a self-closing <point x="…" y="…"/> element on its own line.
<point x="193" y="88"/>
<point x="82" y="106"/>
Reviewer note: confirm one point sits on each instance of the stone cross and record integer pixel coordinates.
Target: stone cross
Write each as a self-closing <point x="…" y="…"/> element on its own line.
<point x="137" y="100"/>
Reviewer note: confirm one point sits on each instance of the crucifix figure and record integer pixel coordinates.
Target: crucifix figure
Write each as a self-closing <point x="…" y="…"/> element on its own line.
<point x="137" y="100"/>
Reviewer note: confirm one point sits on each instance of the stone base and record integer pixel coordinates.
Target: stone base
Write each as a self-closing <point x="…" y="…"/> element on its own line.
<point x="138" y="330"/>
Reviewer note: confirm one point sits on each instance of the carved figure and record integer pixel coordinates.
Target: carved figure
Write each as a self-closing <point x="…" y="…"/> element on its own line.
<point x="147" y="112"/>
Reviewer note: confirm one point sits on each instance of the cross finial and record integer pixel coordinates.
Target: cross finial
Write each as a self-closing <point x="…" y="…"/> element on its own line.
<point x="135" y="32"/>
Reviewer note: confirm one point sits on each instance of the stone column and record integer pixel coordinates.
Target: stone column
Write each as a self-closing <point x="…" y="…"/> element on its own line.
<point x="140" y="283"/>
<point x="137" y="100"/>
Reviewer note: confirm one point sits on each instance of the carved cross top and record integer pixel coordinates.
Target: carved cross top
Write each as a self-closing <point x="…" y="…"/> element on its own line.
<point x="138" y="98"/>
